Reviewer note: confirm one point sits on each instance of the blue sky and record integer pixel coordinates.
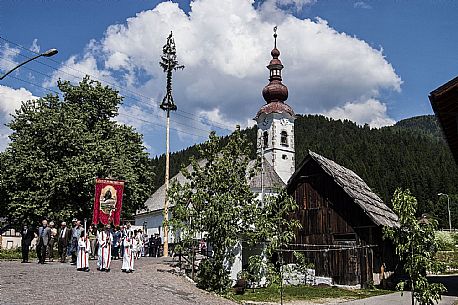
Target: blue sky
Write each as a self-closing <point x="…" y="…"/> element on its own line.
<point x="370" y="61"/>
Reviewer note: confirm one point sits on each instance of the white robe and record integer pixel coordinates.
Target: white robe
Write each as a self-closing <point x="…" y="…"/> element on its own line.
<point x="104" y="259"/>
<point x="127" y="258"/>
<point x="83" y="253"/>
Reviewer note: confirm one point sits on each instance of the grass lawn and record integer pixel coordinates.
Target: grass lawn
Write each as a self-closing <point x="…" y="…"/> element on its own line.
<point x="272" y="294"/>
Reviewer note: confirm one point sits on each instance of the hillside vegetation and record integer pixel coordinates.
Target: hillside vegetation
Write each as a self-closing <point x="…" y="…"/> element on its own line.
<point x="411" y="154"/>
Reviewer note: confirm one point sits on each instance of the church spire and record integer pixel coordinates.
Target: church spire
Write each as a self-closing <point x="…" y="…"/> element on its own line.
<point x="275" y="91"/>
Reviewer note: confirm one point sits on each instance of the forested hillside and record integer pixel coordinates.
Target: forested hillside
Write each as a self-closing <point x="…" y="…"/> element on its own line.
<point x="411" y="154"/>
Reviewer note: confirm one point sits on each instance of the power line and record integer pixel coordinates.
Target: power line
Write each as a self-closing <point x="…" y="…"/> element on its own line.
<point x="130" y="105"/>
<point x="193" y="116"/>
<point x="119" y="114"/>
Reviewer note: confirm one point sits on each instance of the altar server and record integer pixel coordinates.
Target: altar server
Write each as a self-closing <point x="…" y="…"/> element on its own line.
<point x="128" y="257"/>
<point x="82" y="262"/>
<point x="105" y="240"/>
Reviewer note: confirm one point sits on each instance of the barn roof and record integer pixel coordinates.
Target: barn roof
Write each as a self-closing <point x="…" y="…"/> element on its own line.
<point x="356" y="188"/>
<point x="444" y="101"/>
<point x="271" y="182"/>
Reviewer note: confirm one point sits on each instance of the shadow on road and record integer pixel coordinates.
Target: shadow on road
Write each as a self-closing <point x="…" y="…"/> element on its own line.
<point x="449" y="281"/>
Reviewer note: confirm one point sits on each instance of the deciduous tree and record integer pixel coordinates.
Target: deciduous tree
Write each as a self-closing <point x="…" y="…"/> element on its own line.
<point x="59" y="146"/>
<point x="416" y="247"/>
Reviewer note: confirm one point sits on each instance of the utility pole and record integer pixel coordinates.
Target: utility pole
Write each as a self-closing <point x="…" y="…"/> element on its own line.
<point x="169" y="64"/>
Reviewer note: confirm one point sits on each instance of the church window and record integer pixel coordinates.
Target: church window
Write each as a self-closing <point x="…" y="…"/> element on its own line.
<point x="284" y="138"/>
<point x="265" y="138"/>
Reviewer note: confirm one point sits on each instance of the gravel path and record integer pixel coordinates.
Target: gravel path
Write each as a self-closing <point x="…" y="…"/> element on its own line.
<point x="56" y="283"/>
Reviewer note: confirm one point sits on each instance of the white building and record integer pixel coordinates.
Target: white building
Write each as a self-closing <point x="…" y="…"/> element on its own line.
<point x="275" y="121"/>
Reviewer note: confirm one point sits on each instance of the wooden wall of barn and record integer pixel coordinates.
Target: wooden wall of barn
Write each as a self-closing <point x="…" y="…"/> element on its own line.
<point x="330" y="217"/>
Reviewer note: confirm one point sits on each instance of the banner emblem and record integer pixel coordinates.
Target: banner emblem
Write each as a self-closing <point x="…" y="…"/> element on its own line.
<point x="108" y="201"/>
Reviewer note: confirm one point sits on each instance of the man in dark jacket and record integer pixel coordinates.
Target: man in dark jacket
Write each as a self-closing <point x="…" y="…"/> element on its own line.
<point x="26" y="240"/>
<point x="65" y="235"/>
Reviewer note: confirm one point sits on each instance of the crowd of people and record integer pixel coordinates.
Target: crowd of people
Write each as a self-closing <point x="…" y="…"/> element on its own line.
<point x="102" y="243"/>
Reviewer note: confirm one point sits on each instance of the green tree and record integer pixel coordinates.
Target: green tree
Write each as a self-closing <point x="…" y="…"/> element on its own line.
<point x="215" y="199"/>
<point x="416" y="247"/>
<point x="58" y="148"/>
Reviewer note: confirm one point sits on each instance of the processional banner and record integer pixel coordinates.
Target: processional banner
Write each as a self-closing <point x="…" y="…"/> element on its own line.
<point x="108" y="201"/>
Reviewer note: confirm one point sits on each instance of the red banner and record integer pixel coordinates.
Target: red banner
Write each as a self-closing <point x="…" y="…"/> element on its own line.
<point x="108" y="201"/>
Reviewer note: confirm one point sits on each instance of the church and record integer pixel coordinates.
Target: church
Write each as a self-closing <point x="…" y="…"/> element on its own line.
<point x="340" y="215"/>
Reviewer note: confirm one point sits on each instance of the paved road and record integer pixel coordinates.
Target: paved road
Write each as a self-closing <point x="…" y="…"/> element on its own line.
<point x="56" y="283"/>
<point x="396" y="299"/>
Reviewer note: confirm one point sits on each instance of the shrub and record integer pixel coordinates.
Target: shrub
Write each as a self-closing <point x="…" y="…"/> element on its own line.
<point x="445" y="241"/>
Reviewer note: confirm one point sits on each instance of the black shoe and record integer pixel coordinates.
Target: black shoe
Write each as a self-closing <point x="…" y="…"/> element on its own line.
<point x="103" y="269"/>
<point x="87" y="270"/>
<point x="123" y="270"/>
<point x="108" y="270"/>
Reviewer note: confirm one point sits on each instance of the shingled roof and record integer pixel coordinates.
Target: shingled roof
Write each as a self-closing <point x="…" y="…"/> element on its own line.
<point x="272" y="180"/>
<point x="356" y="188"/>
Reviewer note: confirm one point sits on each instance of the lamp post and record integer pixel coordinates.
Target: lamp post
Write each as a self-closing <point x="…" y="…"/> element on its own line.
<point x="448" y="208"/>
<point x="49" y="53"/>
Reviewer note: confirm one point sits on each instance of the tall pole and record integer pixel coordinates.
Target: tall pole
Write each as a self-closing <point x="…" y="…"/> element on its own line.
<point x="262" y="170"/>
<point x="448" y="208"/>
<point x="169" y="64"/>
<point x="167" y="173"/>
<point x="449" y="216"/>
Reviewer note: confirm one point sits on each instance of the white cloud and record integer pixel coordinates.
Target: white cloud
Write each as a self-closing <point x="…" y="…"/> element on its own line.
<point x="371" y="111"/>
<point x="362" y="4"/>
<point x="8" y="54"/>
<point x="35" y="47"/>
<point x="10" y="100"/>
<point x="225" y="46"/>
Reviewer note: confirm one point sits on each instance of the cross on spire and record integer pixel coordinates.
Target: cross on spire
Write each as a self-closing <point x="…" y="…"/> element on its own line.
<point x="275" y="37"/>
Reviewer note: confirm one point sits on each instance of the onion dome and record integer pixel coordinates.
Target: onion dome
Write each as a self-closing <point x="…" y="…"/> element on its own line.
<point x="275" y="93"/>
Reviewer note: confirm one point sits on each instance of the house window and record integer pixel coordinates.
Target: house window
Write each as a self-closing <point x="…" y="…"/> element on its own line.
<point x="284" y="157"/>
<point x="284" y="138"/>
<point x="265" y="138"/>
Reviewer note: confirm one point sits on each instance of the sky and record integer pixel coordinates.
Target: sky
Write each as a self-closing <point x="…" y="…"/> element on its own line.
<point x="372" y="62"/>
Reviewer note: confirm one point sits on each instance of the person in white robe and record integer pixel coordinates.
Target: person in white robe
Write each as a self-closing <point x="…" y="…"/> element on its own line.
<point x="82" y="263"/>
<point x="139" y="244"/>
<point x="128" y="257"/>
<point x="104" y="238"/>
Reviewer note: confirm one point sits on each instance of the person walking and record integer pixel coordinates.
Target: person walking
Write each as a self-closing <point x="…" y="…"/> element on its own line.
<point x="157" y="245"/>
<point x="44" y="236"/>
<point x="82" y="263"/>
<point x="128" y="258"/>
<point x="65" y="235"/>
<point x="116" y="243"/>
<point x="76" y="234"/>
<point x="52" y="241"/>
<point x="27" y="236"/>
<point x="104" y="239"/>
<point x="92" y="236"/>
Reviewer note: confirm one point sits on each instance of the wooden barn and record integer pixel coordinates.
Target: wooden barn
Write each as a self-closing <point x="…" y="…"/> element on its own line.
<point x="342" y="222"/>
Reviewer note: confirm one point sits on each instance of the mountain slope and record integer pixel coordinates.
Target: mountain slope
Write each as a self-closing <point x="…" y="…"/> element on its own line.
<point x="411" y="154"/>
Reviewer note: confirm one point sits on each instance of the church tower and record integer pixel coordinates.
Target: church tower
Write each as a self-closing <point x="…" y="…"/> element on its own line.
<point x="275" y="121"/>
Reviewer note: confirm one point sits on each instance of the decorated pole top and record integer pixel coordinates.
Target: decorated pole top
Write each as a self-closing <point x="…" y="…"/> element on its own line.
<point x="169" y="63"/>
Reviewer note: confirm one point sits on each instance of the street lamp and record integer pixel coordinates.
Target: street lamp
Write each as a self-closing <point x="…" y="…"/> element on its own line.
<point x="49" y="53"/>
<point x="448" y="208"/>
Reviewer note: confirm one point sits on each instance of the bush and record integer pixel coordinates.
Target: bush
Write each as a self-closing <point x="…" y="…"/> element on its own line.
<point x="16" y="253"/>
<point x="445" y="241"/>
<point x="207" y="278"/>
